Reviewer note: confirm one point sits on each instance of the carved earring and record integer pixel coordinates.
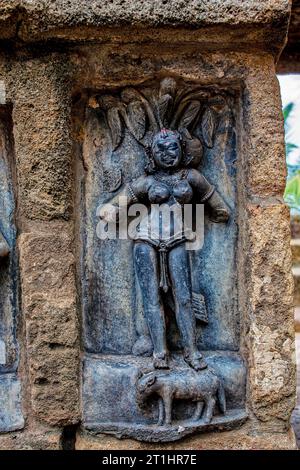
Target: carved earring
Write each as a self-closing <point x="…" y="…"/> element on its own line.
<point x="150" y="166"/>
<point x="186" y="159"/>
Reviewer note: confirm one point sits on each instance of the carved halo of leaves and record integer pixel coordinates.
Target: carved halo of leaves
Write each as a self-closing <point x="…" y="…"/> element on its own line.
<point x="136" y="117"/>
<point x="164" y="106"/>
<point x="107" y="101"/>
<point x="115" y="126"/>
<point x="183" y="104"/>
<point x="189" y="115"/>
<point x="112" y="106"/>
<point x="168" y="86"/>
<point x="130" y="94"/>
<point x="208" y="125"/>
<point x="136" y="112"/>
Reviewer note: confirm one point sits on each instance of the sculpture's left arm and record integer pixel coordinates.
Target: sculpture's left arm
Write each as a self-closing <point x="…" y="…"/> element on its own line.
<point x="208" y="195"/>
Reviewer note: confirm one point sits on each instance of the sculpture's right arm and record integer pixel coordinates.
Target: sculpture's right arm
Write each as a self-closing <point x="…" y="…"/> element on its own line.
<point x="132" y="192"/>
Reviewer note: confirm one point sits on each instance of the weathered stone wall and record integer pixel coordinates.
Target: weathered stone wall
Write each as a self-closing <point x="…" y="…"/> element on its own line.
<point x="39" y="93"/>
<point x="52" y="54"/>
<point x="290" y="58"/>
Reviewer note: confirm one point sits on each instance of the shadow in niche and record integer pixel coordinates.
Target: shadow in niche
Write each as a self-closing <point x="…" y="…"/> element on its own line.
<point x="68" y="437"/>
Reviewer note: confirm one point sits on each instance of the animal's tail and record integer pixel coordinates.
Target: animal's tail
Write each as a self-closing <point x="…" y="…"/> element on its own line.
<point x="221" y="398"/>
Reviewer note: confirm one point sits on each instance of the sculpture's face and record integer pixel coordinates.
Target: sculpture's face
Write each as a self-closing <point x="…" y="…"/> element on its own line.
<point x="167" y="151"/>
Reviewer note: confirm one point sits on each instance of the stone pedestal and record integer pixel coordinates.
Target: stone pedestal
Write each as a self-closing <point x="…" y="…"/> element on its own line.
<point x="76" y="304"/>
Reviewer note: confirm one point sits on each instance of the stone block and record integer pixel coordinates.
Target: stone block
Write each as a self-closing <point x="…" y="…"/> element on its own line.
<point x="241" y="439"/>
<point x="41" y="114"/>
<point x="49" y="302"/>
<point x="11" y="416"/>
<point x="271" y="320"/>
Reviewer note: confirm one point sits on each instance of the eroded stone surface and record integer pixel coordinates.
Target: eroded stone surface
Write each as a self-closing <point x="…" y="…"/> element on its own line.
<point x="241" y="439"/>
<point x="263" y="132"/>
<point x="49" y="303"/>
<point x="45" y="13"/>
<point x="290" y="58"/>
<point x="296" y="412"/>
<point x="271" y="330"/>
<point x="41" y="115"/>
<point x="36" y="437"/>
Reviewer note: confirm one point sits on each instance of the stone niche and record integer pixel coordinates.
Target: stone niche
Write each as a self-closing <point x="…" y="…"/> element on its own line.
<point x="114" y="324"/>
<point x="96" y="98"/>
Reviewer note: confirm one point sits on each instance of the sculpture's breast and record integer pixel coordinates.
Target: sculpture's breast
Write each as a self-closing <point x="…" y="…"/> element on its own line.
<point x="163" y="191"/>
<point x="158" y="193"/>
<point x="183" y="192"/>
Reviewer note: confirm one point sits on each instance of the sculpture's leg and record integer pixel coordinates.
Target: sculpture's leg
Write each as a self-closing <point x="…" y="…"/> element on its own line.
<point x="209" y="410"/>
<point x="161" y="414"/>
<point x="148" y="276"/>
<point x="198" y="410"/>
<point x="168" y="408"/>
<point x="180" y="275"/>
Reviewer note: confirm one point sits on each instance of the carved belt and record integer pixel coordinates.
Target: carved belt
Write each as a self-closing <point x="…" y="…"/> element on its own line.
<point x="163" y="247"/>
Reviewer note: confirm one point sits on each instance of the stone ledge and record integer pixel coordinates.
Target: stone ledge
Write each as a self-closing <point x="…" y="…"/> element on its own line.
<point x="153" y="433"/>
<point x="37" y="19"/>
<point x="239" y="439"/>
<point x="37" y="438"/>
<point x="149" y="12"/>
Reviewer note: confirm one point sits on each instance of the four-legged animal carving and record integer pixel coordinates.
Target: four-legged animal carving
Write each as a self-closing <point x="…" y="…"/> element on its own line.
<point x="203" y="387"/>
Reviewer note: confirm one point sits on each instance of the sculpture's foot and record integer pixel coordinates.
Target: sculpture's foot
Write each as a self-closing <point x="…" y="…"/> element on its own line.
<point x="160" y="361"/>
<point x="143" y="346"/>
<point x="219" y="210"/>
<point x="4" y="249"/>
<point x="195" y="360"/>
<point x="207" y="420"/>
<point x="219" y="216"/>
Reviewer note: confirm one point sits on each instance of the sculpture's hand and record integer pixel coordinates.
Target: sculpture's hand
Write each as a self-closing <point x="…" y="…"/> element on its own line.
<point x="219" y="211"/>
<point x="220" y="215"/>
<point x="109" y="213"/>
<point x="4" y="248"/>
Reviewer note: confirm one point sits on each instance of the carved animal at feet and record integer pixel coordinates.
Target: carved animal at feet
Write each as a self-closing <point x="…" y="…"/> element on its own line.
<point x="203" y="387"/>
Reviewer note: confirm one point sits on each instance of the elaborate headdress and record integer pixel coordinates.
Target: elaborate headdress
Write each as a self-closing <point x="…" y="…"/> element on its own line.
<point x="174" y="110"/>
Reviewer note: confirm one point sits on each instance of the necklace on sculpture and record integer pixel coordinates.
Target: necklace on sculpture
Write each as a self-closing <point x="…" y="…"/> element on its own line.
<point x="172" y="179"/>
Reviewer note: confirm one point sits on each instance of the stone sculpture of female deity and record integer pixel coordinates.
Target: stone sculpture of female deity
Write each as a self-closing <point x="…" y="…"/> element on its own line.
<point x="162" y="265"/>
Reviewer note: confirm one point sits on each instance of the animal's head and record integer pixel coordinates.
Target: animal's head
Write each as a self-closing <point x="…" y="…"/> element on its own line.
<point x="145" y="385"/>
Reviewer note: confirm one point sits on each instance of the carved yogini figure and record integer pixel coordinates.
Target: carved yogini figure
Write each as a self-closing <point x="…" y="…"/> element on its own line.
<point x="162" y="264"/>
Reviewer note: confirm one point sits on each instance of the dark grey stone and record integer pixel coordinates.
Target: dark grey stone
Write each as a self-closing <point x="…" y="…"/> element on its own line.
<point x="8" y="263"/>
<point x="11" y="417"/>
<point x="110" y="393"/>
<point x="166" y="142"/>
<point x="111" y="295"/>
<point x="152" y="433"/>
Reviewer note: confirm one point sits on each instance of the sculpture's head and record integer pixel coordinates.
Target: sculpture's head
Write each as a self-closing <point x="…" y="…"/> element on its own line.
<point x="145" y="386"/>
<point x="166" y="149"/>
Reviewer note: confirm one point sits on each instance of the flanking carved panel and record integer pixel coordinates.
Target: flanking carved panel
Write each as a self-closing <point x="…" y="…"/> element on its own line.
<point x="10" y="389"/>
